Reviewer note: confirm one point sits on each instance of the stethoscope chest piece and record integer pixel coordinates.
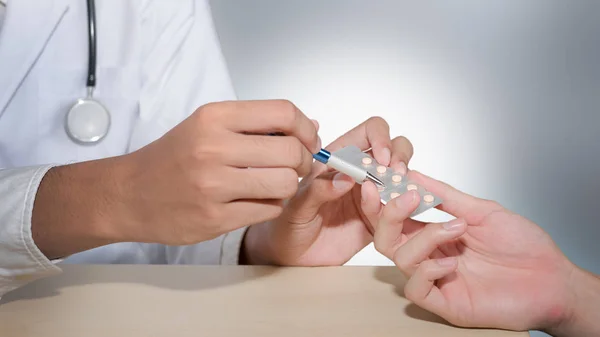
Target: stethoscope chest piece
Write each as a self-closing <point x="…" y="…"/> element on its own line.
<point x="87" y="121"/>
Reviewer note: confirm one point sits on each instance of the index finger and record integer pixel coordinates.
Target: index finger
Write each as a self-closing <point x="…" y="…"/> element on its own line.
<point x="272" y="116"/>
<point x="374" y="133"/>
<point x="455" y="202"/>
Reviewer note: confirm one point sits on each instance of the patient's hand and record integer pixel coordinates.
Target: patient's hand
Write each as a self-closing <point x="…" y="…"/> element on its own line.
<point x="487" y="268"/>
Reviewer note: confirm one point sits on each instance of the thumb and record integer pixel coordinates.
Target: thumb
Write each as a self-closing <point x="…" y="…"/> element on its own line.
<point x="324" y="188"/>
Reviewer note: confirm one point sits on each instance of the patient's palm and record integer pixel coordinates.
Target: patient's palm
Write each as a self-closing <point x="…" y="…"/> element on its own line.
<point x="507" y="268"/>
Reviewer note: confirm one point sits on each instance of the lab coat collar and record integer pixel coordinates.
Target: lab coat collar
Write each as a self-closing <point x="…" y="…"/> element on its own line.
<point x="28" y="26"/>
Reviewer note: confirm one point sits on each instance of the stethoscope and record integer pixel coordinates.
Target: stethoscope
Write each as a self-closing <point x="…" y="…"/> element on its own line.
<point x="88" y="121"/>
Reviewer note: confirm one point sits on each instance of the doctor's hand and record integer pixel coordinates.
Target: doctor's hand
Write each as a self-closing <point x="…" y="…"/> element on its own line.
<point x="323" y="224"/>
<point x="487" y="268"/>
<point x="216" y="171"/>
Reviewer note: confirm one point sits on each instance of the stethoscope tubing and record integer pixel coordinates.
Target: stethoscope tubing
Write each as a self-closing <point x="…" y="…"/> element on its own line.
<point x="92" y="44"/>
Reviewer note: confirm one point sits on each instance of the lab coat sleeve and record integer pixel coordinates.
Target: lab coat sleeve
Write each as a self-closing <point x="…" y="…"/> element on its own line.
<point x="184" y="69"/>
<point x="20" y="260"/>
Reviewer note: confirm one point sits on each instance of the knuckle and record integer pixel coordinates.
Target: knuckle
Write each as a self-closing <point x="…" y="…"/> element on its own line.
<point x="289" y="112"/>
<point x="402" y="263"/>
<point x="426" y="267"/>
<point x="306" y="162"/>
<point x="277" y="211"/>
<point x="280" y="184"/>
<point x="289" y="184"/>
<point x="295" y="151"/>
<point x="211" y="213"/>
<point x="404" y="144"/>
<point x="260" y="143"/>
<point x="413" y="291"/>
<point x="270" y="209"/>
<point x="492" y="204"/>
<point x="379" y="121"/>
<point x="207" y="113"/>
<point x="286" y="105"/>
<point x="265" y="184"/>
<point x="410" y="293"/>
<point x="206" y="186"/>
<point x="205" y="151"/>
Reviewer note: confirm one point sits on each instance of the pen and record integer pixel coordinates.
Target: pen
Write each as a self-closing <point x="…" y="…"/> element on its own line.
<point x="360" y="175"/>
<point x="325" y="157"/>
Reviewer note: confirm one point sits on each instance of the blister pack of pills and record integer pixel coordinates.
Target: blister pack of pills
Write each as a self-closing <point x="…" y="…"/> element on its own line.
<point x="395" y="183"/>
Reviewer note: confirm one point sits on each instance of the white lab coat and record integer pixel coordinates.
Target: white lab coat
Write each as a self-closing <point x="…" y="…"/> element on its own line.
<point x="158" y="60"/>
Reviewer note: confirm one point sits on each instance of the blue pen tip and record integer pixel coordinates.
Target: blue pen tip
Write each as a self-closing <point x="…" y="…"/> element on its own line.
<point x="323" y="156"/>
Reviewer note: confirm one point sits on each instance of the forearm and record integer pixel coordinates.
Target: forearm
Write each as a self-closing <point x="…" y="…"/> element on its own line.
<point x="76" y="206"/>
<point x="584" y="313"/>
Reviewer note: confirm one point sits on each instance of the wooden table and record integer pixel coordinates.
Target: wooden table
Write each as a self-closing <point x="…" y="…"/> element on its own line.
<point x="181" y="301"/>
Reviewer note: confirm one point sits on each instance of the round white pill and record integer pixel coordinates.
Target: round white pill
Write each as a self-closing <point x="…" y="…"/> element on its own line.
<point x="396" y="178"/>
<point x="381" y="169"/>
<point x="411" y="187"/>
<point x="367" y="161"/>
<point x="428" y="198"/>
<point x="394" y="195"/>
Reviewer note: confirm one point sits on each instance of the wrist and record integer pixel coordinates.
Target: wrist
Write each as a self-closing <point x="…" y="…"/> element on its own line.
<point x="256" y="248"/>
<point x="581" y="316"/>
<point x="74" y="208"/>
<point x="126" y="210"/>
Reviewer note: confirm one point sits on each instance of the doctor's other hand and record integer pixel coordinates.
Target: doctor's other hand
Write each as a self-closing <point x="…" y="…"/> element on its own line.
<point x="487" y="268"/>
<point x="323" y="224"/>
<point x="216" y="171"/>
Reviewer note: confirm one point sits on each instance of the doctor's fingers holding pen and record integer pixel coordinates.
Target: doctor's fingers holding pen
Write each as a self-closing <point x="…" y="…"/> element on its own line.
<point x="487" y="268"/>
<point x="216" y="171"/>
<point x="323" y="224"/>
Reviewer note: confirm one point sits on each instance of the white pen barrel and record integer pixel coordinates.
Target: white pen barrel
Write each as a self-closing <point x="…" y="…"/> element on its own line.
<point x="357" y="173"/>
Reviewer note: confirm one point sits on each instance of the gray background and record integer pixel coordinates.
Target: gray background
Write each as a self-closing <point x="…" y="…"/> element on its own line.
<point x="500" y="98"/>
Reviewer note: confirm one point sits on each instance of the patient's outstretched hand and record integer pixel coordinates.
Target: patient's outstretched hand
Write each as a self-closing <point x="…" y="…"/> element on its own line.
<point x="487" y="268"/>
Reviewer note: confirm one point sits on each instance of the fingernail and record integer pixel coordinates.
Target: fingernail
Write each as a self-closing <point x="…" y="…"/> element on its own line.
<point x="406" y="199"/>
<point x="447" y="261"/>
<point x="454" y="225"/>
<point x="387" y="156"/>
<point x="342" y="182"/>
<point x="402" y="169"/>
